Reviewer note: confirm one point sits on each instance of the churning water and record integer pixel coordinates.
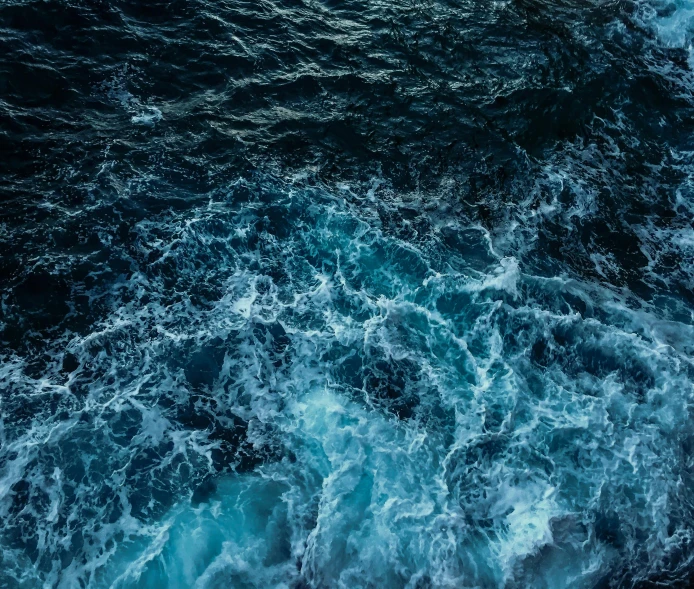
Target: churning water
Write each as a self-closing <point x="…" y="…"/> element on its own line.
<point x="346" y="294"/>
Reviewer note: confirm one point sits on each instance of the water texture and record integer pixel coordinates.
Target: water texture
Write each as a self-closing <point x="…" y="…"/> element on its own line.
<point x="312" y="294"/>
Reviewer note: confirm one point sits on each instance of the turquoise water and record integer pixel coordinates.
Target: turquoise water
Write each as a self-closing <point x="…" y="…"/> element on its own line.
<point x="426" y="411"/>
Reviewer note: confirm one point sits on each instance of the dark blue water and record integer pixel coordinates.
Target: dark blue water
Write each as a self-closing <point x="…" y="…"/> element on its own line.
<point x="359" y="294"/>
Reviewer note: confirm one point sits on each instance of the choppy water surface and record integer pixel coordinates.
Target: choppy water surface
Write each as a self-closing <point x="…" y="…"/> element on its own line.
<point x="361" y="294"/>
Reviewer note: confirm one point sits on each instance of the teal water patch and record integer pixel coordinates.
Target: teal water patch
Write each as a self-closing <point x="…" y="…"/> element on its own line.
<point x="296" y="392"/>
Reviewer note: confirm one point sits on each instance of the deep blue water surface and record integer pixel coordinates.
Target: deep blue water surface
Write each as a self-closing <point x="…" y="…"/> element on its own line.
<point x="356" y="294"/>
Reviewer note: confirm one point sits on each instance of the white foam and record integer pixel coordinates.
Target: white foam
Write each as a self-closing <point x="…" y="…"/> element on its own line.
<point x="520" y="415"/>
<point x="149" y="116"/>
<point x="673" y="23"/>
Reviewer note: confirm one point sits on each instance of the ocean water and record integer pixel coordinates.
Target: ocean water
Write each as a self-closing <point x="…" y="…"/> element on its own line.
<point x="309" y="294"/>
